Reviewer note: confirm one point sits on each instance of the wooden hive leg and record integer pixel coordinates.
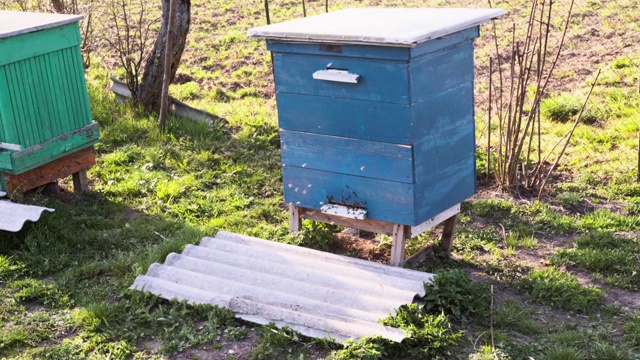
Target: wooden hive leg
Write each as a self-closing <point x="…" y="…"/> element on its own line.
<point x="399" y="237"/>
<point x="295" y="220"/>
<point x="448" y="229"/>
<point x="80" y="181"/>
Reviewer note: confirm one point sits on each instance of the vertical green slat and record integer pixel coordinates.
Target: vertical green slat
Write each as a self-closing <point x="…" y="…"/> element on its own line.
<point x="63" y="88"/>
<point x="73" y="87"/>
<point x="44" y="100"/>
<point x="2" y="135"/>
<point x="33" y="107"/>
<point x="50" y="87"/>
<point x="3" y="89"/>
<point x="80" y="85"/>
<point x="18" y="105"/>
<point x="10" y="133"/>
<point x="83" y="105"/>
<point x="27" y="109"/>
<point x="70" y="91"/>
<point x="27" y="113"/>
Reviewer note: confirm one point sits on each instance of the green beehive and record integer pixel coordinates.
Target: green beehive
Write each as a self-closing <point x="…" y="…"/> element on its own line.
<point x="44" y="105"/>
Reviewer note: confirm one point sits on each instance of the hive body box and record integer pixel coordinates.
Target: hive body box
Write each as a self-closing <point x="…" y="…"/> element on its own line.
<point x="376" y="110"/>
<point x="44" y="105"/>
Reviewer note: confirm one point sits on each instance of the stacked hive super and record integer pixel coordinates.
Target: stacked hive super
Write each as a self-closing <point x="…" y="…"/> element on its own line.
<point x="376" y="110"/>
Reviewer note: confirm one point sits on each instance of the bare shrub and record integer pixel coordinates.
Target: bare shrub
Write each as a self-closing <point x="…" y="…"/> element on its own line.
<point x="131" y="37"/>
<point x="518" y="83"/>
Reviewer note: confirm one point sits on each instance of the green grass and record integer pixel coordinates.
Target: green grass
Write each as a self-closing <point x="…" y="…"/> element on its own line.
<point x="63" y="280"/>
<point x="614" y="258"/>
<point x="511" y="315"/>
<point x="561" y="290"/>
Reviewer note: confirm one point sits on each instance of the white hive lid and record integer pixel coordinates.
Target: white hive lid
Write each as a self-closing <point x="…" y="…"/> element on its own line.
<point x="377" y="26"/>
<point x="14" y="23"/>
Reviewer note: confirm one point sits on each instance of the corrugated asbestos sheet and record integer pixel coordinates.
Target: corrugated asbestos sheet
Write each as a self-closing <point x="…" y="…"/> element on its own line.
<point x="314" y="292"/>
<point x="13" y="216"/>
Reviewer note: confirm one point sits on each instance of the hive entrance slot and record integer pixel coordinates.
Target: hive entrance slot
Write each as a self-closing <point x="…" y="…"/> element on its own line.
<point x="344" y="211"/>
<point x="331" y="48"/>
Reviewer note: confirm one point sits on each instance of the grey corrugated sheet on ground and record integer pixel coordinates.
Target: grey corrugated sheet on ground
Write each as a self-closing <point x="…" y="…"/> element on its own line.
<point x="316" y="293"/>
<point x="13" y="216"/>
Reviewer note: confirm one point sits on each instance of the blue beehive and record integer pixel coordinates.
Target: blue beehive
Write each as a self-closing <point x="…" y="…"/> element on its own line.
<point x="376" y="109"/>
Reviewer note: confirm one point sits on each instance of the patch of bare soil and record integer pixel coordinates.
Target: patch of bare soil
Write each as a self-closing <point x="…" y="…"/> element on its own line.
<point x="227" y="349"/>
<point x="224" y="349"/>
<point x="365" y="247"/>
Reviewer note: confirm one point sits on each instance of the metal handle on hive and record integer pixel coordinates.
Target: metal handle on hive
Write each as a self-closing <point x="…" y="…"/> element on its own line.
<point x="337" y="75"/>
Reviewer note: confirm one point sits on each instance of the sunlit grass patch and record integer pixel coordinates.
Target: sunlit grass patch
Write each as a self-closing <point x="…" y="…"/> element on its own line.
<point x="615" y="258"/>
<point x="561" y="290"/>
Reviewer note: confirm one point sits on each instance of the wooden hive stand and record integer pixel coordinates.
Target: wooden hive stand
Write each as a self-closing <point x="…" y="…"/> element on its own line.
<point x="75" y="164"/>
<point x="398" y="232"/>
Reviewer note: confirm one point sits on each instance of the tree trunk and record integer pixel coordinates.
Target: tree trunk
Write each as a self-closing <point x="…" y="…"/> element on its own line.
<point x="166" y="77"/>
<point x="58" y="6"/>
<point x="150" y="89"/>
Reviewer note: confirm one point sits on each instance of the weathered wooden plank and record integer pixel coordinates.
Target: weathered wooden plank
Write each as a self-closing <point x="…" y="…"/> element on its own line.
<point x="441" y="71"/>
<point x="347" y="156"/>
<point x="398" y="237"/>
<point x="74" y="163"/>
<point x="444" y="189"/>
<point x="447" y="147"/>
<point x="52" y="149"/>
<point x="360" y="119"/>
<point x="376" y="121"/>
<point x="375" y="52"/>
<point x="371" y="225"/>
<point x="448" y="228"/>
<point x="80" y="181"/>
<point x="416" y="258"/>
<point x="434" y="221"/>
<point x="384" y="200"/>
<point x="41" y="42"/>
<point x="380" y="80"/>
<point x="295" y="219"/>
<point x="5" y="159"/>
<point x="383" y="27"/>
<point x="450" y="108"/>
<point x="444" y="42"/>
